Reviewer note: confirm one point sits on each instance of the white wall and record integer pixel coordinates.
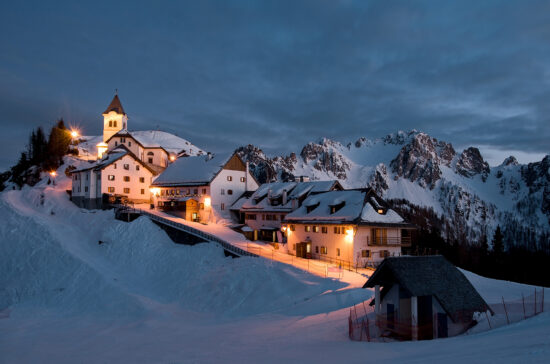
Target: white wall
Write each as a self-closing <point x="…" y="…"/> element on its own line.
<point x="134" y="184"/>
<point x="120" y="121"/>
<point x="237" y="187"/>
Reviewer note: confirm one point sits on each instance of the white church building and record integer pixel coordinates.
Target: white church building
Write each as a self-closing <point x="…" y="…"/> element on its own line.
<point x="122" y="163"/>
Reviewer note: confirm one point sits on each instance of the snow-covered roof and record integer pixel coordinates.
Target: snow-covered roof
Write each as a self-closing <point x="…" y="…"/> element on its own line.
<point x="259" y="200"/>
<point x="348" y="206"/>
<point x="191" y="171"/>
<point x="112" y="157"/>
<point x="160" y="139"/>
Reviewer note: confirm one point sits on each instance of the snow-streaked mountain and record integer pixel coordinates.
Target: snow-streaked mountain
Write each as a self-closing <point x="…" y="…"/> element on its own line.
<point x="460" y="187"/>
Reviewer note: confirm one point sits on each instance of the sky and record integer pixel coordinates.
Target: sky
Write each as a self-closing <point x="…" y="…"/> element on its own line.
<point x="278" y="74"/>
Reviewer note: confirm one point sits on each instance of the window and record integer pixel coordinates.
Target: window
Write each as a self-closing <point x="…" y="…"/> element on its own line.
<point x="250" y="216"/>
<point x="126" y="190"/>
<point x="316" y="249"/>
<point x="222" y="191"/>
<point x="243" y="179"/>
<point x="150" y="160"/>
<point x="114" y="123"/>
<point x="365" y="253"/>
<point x="111" y="177"/>
<point x="196" y="191"/>
<point x="337" y="252"/>
<point x="222" y="206"/>
<point x="201" y="206"/>
<point x="337" y="229"/>
<point x="315" y="229"/>
<point x="110" y="123"/>
<point x="129" y="144"/>
<point x="76" y="177"/>
<point x="116" y="143"/>
<point x="204" y="191"/>
<point x="293" y="246"/>
<point x="177" y="192"/>
<point x="323" y="250"/>
<point x="292" y="228"/>
<point x="229" y="178"/>
<point x="188" y="191"/>
<point x="263" y="216"/>
<point x="384" y="253"/>
<point x="307" y="228"/>
<point x="114" y="165"/>
<point x="142" y="191"/>
<point x="126" y="178"/>
<point x="123" y="140"/>
<point x="78" y="188"/>
<point x="126" y="167"/>
<point x="324" y="229"/>
<point x="86" y="176"/>
<point x="229" y="192"/>
<point x="86" y="189"/>
<point x="142" y="179"/>
<point x="150" y="153"/>
<point x="111" y="189"/>
<point x="137" y="167"/>
<point x="343" y="230"/>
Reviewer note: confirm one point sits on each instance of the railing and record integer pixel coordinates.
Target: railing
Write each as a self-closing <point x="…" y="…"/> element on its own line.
<point x="389" y="241"/>
<point x="227" y="246"/>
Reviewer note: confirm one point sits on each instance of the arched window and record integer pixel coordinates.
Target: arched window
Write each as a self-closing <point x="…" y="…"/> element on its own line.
<point x="114" y="123"/>
<point x="150" y="153"/>
<point x="110" y="123"/>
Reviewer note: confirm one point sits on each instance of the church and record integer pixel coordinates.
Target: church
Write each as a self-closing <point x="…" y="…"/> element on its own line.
<point x="123" y="163"/>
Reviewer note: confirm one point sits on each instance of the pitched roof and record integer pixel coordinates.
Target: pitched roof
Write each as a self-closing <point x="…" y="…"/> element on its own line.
<point x="431" y="276"/>
<point x="160" y="139"/>
<point x="358" y="206"/>
<point x="112" y="157"/>
<point x="115" y="106"/>
<point x="191" y="171"/>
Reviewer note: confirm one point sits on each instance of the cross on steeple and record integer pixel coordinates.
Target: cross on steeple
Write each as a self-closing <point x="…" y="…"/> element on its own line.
<point x="116" y="91"/>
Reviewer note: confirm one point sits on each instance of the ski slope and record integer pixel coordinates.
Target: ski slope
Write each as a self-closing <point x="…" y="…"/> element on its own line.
<point x="140" y="298"/>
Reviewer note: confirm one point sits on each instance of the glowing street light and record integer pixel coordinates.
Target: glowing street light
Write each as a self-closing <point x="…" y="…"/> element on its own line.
<point x="207" y="202"/>
<point x="172" y="158"/>
<point x="53" y="174"/>
<point x="74" y="134"/>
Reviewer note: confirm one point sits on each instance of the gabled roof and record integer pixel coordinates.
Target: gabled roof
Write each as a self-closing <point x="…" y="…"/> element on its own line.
<point x="431" y="276"/>
<point x="258" y="201"/>
<point x="115" y="106"/>
<point x="112" y="156"/>
<point x="192" y="171"/>
<point x="358" y="206"/>
<point x="170" y="143"/>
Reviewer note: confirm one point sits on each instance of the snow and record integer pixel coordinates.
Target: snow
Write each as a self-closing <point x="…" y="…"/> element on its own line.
<point x="170" y="142"/>
<point x="140" y="298"/>
<point x="353" y="204"/>
<point x="369" y="214"/>
<point x="198" y="169"/>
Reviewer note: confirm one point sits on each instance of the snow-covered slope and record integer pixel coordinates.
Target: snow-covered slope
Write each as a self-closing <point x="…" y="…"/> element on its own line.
<point x="459" y="186"/>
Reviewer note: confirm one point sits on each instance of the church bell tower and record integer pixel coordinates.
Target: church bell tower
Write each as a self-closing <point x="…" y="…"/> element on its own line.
<point x="114" y="119"/>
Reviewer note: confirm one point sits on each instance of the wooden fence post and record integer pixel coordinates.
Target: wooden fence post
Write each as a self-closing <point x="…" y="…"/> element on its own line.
<point x="506" y="311"/>
<point x="523" y="300"/>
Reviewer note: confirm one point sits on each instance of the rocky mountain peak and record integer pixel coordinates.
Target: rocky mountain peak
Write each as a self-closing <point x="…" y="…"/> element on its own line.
<point x="471" y="163"/>
<point x="326" y="157"/>
<point x="510" y="161"/>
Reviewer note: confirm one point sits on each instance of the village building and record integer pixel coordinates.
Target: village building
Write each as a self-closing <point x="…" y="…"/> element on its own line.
<point x="349" y="227"/>
<point x="264" y="210"/>
<point x="146" y="154"/>
<point x="423" y="298"/>
<point x="202" y="188"/>
<point x="118" y="177"/>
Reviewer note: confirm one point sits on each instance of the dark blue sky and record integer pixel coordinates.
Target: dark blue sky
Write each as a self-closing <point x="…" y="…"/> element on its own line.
<point x="281" y="73"/>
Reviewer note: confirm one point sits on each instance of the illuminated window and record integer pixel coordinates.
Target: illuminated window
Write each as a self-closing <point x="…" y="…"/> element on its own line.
<point x="323" y="250"/>
<point x="292" y="228"/>
<point x="243" y="179"/>
<point x="126" y="166"/>
<point x="111" y="177"/>
<point x="229" y="178"/>
<point x="315" y="229"/>
<point x="307" y="228"/>
<point x="142" y="179"/>
<point x="337" y="229"/>
<point x="111" y="189"/>
<point x="204" y="191"/>
<point x="365" y="253"/>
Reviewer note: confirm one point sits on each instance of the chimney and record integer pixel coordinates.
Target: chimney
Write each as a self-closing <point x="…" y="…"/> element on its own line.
<point x="294" y="204"/>
<point x="246" y="177"/>
<point x="269" y="193"/>
<point x="285" y="197"/>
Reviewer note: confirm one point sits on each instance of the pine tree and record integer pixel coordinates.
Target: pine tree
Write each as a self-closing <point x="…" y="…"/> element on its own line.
<point x="498" y="245"/>
<point x="58" y="145"/>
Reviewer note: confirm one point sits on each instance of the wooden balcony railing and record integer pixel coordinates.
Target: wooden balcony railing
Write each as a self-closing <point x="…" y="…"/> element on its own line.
<point x="389" y="241"/>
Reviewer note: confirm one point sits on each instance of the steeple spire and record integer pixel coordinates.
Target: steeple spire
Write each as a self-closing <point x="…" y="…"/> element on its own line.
<point x="115" y="105"/>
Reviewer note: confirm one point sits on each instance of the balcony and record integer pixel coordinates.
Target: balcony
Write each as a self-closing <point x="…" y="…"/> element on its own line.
<point x="404" y="241"/>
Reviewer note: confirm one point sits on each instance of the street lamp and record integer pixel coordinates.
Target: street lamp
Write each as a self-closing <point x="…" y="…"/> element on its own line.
<point x="53" y="174"/>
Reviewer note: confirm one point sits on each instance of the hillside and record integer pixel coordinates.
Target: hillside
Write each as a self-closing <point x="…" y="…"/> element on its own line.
<point x="140" y="298"/>
<point x="470" y="198"/>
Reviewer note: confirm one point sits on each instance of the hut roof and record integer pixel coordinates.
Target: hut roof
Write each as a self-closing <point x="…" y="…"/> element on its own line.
<point x="431" y="276"/>
<point x="115" y="106"/>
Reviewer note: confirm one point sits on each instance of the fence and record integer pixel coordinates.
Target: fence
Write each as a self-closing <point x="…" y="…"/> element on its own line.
<point x="365" y="325"/>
